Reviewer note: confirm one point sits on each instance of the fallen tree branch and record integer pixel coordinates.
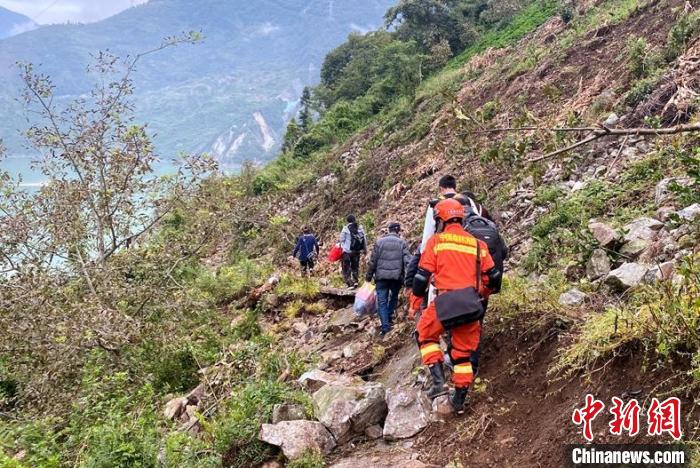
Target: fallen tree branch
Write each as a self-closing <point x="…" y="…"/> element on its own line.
<point x="603" y="131"/>
<point x="529" y="129"/>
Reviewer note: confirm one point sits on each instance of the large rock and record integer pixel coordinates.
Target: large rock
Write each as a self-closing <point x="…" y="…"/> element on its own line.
<point x="297" y="437"/>
<point x="660" y="272"/>
<point x="598" y="265"/>
<point x="690" y="213"/>
<point x="605" y="235"/>
<point x="409" y="413"/>
<point x="642" y="229"/>
<point x="634" y="248"/>
<point x="347" y="409"/>
<point x="314" y="379"/>
<point x="627" y="276"/>
<point x="287" y="412"/>
<point x="573" y="297"/>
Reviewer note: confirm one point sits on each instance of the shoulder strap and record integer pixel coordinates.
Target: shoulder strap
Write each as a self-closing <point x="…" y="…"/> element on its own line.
<point x="478" y="266"/>
<point x="475" y="207"/>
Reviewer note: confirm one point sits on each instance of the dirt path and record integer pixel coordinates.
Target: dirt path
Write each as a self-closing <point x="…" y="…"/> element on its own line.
<point x="519" y="415"/>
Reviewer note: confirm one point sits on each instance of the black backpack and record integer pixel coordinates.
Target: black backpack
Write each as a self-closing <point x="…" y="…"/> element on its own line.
<point x="357" y="239"/>
<point x="487" y="231"/>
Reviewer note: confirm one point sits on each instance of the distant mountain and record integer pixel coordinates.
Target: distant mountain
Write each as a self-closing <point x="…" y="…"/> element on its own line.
<point x="231" y="94"/>
<point x="12" y="23"/>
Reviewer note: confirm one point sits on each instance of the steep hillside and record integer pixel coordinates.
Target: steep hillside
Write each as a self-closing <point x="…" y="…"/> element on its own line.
<point x="256" y="58"/>
<point x="602" y="290"/>
<point x="12" y="23"/>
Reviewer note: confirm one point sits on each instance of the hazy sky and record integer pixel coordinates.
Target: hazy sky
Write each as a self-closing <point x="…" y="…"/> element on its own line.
<point x="60" y="11"/>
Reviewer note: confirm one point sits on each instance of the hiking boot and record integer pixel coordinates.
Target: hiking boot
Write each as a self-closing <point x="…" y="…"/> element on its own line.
<point x="438" y="374"/>
<point x="458" y="400"/>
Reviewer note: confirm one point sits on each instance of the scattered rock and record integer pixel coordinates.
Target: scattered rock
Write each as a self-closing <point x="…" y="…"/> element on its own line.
<point x="442" y="407"/>
<point x="687" y="241"/>
<point x="634" y="248"/>
<point x="353" y="349"/>
<point x="690" y="213"/>
<point x="409" y="413"/>
<point x="660" y="272"/>
<point x="578" y="185"/>
<point x="374" y="431"/>
<point x="612" y="120"/>
<point x="313" y="380"/>
<point x="663" y="192"/>
<point x="571" y="298"/>
<point x="175" y="407"/>
<point x="642" y="228"/>
<point x="664" y="213"/>
<point x="287" y="412"/>
<point x="605" y="235"/>
<point x="528" y="181"/>
<point x="300" y="327"/>
<point x="297" y="437"/>
<point x="629" y="275"/>
<point x="349" y="409"/>
<point x="328" y="357"/>
<point x="598" y="265"/>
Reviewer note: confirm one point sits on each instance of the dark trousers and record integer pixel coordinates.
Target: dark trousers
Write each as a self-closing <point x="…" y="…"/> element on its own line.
<point x="387" y="298"/>
<point x="351" y="267"/>
<point x="306" y="266"/>
<point x="474" y="358"/>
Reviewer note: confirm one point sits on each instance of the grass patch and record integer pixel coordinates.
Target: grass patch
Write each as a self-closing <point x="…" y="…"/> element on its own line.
<point x="524" y="22"/>
<point x="664" y="318"/>
<point x="298" y="288"/>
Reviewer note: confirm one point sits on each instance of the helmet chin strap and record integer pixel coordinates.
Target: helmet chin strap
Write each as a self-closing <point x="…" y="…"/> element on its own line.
<point x="439" y="225"/>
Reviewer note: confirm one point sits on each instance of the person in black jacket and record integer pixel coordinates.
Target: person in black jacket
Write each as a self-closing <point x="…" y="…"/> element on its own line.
<point x="387" y="266"/>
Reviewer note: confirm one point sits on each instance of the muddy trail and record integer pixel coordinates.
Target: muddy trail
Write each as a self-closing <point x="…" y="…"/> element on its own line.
<point x="519" y="412"/>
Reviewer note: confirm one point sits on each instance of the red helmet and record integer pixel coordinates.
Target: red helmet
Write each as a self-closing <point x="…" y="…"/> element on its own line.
<point x="449" y="209"/>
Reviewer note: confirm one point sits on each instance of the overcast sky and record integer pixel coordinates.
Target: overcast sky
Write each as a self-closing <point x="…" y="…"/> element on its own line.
<point x="61" y="11"/>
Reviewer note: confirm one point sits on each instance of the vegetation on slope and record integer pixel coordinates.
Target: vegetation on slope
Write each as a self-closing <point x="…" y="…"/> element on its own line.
<point x="367" y="142"/>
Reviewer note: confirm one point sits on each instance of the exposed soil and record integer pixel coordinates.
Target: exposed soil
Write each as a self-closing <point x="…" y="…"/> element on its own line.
<point x="519" y="415"/>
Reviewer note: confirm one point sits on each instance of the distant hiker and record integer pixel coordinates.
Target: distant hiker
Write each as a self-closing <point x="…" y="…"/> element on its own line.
<point x="307" y="249"/>
<point x="461" y="270"/>
<point x="387" y="266"/>
<point x="354" y="244"/>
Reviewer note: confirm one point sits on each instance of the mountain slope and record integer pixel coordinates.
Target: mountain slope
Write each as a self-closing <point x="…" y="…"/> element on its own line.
<point x="255" y="58"/>
<point x="12" y="23"/>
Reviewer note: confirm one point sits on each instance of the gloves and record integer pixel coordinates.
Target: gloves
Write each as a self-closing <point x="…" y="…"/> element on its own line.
<point x="414" y="305"/>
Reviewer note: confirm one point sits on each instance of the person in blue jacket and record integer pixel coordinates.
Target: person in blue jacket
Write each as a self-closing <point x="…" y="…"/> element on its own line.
<point x="307" y="249"/>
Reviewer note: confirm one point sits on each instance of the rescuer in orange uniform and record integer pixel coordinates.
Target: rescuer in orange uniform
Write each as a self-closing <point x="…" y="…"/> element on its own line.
<point x="460" y="268"/>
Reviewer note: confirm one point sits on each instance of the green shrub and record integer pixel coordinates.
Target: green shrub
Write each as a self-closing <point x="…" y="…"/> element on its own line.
<point x="637" y="56"/>
<point x="690" y="162"/>
<point x="640" y="90"/>
<point x="680" y="35"/>
<point x="175" y="370"/>
<point x="235" y="429"/>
